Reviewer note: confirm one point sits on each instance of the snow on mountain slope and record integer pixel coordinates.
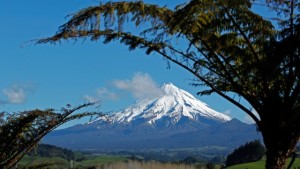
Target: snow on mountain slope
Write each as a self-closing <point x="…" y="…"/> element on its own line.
<point x="175" y="104"/>
<point x="173" y="120"/>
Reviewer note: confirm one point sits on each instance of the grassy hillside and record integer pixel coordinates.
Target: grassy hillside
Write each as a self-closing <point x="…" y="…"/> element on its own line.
<point x="40" y="162"/>
<point x="260" y="165"/>
<point x="60" y="163"/>
<point x="101" y="162"/>
<point x="147" y="165"/>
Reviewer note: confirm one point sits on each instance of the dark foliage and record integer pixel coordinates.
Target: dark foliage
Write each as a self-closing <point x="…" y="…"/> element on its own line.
<point x="218" y="159"/>
<point x="210" y="165"/>
<point x="46" y="150"/>
<point x="250" y="152"/>
<point x="21" y="132"/>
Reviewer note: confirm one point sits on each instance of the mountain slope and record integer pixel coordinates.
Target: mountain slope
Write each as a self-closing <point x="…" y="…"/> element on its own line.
<point x="125" y="137"/>
<point x="173" y="104"/>
<point x="174" y="119"/>
<point x="230" y="134"/>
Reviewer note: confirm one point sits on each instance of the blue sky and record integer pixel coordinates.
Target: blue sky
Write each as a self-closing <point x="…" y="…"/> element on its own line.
<point x="51" y="76"/>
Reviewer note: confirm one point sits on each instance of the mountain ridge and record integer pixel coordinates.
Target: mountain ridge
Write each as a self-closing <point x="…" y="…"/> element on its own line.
<point x="174" y="103"/>
<point x="175" y="119"/>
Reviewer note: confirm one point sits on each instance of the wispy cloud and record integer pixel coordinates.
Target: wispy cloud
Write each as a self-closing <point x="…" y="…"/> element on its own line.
<point x="248" y="119"/>
<point x="91" y="99"/>
<point x="101" y="94"/>
<point x="140" y="85"/>
<point x="228" y="112"/>
<point x="16" y="94"/>
<point x="105" y="93"/>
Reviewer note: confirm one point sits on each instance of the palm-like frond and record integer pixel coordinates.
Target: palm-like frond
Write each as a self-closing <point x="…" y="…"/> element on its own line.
<point x="20" y="132"/>
<point x="227" y="46"/>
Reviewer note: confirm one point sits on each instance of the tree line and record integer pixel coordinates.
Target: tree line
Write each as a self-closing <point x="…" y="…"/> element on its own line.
<point x="249" y="152"/>
<point x="46" y="150"/>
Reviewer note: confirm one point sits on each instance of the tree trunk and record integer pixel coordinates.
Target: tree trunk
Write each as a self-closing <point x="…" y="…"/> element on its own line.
<point x="280" y="143"/>
<point x="275" y="160"/>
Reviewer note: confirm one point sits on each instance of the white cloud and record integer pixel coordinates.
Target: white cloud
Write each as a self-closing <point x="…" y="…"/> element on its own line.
<point x="248" y="119"/>
<point x="101" y="94"/>
<point x="227" y="112"/>
<point x="90" y="99"/>
<point x="104" y="93"/>
<point x="141" y="85"/>
<point x="15" y="94"/>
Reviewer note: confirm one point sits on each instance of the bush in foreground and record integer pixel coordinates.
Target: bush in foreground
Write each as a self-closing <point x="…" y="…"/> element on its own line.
<point x="250" y="152"/>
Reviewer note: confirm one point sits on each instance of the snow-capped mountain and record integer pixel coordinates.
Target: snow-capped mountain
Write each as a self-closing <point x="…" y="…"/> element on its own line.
<point x="174" y="104"/>
<point x="174" y="119"/>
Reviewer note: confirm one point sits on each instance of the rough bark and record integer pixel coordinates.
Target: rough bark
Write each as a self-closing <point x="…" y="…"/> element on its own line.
<point x="275" y="160"/>
<point x="280" y="143"/>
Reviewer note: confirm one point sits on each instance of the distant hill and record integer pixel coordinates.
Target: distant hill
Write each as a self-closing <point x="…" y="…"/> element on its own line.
<point x="173" y="119"/>
<point x="46" y="150"/>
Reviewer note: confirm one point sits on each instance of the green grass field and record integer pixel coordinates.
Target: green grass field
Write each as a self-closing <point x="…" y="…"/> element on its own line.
<point x="101" y="162"/>
<point x="59" y="163"/>
<point x="115" y="162"/>
<point x="261" y="165"/>
<point x="98" y="161"/>
<point x="40" y="162"/>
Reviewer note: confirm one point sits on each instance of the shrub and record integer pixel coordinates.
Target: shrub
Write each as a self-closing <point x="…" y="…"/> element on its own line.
<point x="250" y="152"/>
